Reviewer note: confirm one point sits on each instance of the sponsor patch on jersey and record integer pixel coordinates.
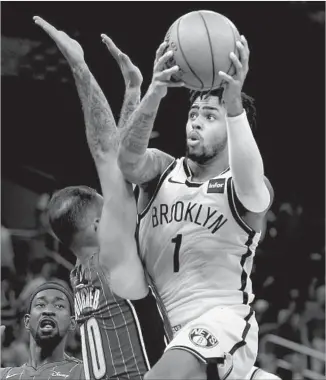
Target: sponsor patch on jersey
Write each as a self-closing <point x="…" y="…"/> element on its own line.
<point x="216" y="185"/>
<point x="202" y="338"/>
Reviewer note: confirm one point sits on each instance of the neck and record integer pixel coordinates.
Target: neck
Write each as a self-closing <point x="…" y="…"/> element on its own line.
<point x="84" y="253"/>
<point x="210" y="169"/>
<point x="43" y="355"/>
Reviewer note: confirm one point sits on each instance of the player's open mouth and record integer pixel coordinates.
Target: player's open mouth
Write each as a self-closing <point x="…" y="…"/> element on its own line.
<point x="193" y="138"/>
<point x="193" y="141"/>
<point x="47" y="324"/>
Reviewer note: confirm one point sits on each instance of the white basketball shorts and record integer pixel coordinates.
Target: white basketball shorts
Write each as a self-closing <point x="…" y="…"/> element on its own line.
<point x="228" y="335"/>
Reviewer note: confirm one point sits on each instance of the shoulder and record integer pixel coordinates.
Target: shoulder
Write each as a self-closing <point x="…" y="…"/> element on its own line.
<point x="166" y="165"/>
<point x="149" y="189"/>
<point x="72" y="359"/>
<point x="15" y="370"/>
<point x="72" y="363"/>
<point x="149" y="166"/>
<point x="156" y="164"/>
<point x="164" y="158"/>
<point x="4" y="371"/>
<point x="75" y="367"/>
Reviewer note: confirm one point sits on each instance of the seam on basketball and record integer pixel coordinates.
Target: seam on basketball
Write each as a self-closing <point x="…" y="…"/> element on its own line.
<point x="211" y="48"/>
<point x="184" y="57"/>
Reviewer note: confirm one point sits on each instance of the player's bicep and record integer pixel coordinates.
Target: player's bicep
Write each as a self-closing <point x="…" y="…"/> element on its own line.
<point x="258" y="200"/>
<point x="113" y="182"/>
<point x="118" y="221"/>
<point x="147" y="167"/>
<point x="118" y="255"/>
<point x="116" y="229"/>
<point x="244" y="209"/>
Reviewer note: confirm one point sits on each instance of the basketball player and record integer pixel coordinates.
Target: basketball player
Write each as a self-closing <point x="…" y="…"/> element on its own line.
<point x="49" y="318"/>
<point x="200" y="221"/>
<point x="122" y="333"/>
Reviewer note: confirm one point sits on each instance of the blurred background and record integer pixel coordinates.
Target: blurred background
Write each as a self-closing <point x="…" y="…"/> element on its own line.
<point x="44" y="148"/>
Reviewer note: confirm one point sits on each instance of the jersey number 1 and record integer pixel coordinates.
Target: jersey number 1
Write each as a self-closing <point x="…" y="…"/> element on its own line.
<point x="95" y="348"/>
<point x="177" y="241"/>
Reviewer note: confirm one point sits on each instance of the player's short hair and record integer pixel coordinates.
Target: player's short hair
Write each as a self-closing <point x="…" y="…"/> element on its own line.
<point x="68" y="210"/>
<point x="247" y="102"/>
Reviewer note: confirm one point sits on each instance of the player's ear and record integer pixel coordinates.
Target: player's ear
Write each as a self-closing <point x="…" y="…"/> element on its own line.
<point x="27" y="318"/>
<point x="73" y="323"/>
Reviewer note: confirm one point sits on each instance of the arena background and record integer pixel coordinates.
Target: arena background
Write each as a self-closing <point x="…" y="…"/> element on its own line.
<point x="44" y="148"/>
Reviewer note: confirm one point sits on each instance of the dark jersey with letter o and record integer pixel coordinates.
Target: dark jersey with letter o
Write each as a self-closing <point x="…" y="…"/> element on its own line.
<point x="121" y="339"/>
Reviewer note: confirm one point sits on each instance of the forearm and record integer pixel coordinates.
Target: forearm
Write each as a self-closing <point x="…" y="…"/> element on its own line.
<point x="246" y="162"/>
<point x="101" y="131"/>
<point x="138" y="129"/>
<point x="130" y="103"/>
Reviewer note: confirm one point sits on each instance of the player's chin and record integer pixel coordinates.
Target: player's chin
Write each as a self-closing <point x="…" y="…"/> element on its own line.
<point x="194" y="149"/>
<point x="194" y="152"/>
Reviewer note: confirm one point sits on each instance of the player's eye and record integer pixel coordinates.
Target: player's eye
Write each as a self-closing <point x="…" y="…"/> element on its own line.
<point x="211" y="117"/>
<point x="59" y="306"/>
<point x="192" y="115"/>
<point x="40" y="304"/>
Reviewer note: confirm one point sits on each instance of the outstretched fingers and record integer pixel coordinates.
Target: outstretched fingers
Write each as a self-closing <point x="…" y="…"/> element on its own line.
<point x="112" y="47"/>
<point x="47" y="27"/>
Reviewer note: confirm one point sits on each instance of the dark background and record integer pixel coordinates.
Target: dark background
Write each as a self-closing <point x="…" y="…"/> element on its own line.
<point x="42" y="122"/>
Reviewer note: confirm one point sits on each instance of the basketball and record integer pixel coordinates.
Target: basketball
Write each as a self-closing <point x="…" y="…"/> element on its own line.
<point x="202" y="42"/>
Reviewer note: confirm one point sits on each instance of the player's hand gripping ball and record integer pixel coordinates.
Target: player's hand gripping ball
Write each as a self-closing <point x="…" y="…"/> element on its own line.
<point x="202" y="42"/>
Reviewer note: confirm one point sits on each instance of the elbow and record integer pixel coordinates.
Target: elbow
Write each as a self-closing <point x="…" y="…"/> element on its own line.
<point x="126" y="163"/>
<point x="129" y="168"/>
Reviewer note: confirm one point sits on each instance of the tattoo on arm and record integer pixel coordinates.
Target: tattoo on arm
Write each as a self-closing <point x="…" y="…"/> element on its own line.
<point x="130" y="103"/>
<point x="152" y="164"/>
<point x="101" y="130"/>
<point x="135" y="140"/>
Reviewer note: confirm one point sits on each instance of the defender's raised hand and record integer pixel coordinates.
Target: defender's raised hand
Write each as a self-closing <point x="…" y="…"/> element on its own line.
<point x="131" y="74"/>
<point x="69" y="47"/>
<point x="101" y="131"/>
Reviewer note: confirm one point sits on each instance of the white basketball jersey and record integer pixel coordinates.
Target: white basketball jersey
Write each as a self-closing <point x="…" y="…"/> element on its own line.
<point x="196" y="248"/>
